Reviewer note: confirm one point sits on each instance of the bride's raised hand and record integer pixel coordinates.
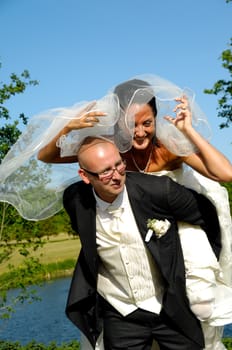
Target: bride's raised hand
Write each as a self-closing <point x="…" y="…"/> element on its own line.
<point x="86" y="118"/>
<point x="183" y="119"/>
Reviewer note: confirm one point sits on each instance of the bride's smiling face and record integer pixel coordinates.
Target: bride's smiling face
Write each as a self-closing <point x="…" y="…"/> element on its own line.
<point x="144" y="125"/>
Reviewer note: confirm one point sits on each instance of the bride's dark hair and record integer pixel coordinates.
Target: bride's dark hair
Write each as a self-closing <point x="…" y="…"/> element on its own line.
<point x="126" y="91"/>
<point x="143" y="90"/>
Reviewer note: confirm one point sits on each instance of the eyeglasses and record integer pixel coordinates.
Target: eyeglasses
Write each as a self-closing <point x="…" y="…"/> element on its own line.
<point x="107" y="174"/>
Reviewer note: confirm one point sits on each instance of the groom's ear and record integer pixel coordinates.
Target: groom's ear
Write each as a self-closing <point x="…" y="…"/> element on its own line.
<point x="83" y="175"/>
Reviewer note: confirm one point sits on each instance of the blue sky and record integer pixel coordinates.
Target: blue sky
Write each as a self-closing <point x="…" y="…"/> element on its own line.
<point x="79" y="49"/>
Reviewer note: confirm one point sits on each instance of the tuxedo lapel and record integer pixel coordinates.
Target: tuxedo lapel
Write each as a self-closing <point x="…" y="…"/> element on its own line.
<point x="80" y="204"/>
<point x="87" y="225"/>
<point x="138" y="201"/>
<point x="164" y="250"/>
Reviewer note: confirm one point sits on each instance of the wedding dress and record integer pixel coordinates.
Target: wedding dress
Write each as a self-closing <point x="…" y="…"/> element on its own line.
<point x="202" y="269"/>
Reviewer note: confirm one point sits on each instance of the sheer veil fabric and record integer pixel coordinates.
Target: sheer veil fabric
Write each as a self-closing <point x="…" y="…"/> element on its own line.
<point x="35" y="188"/>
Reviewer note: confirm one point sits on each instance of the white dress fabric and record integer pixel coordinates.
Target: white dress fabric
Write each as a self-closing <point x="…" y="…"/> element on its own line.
<point x="205" y="276"/>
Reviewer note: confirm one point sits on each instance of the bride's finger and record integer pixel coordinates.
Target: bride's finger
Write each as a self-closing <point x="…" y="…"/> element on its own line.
<point x="90" y="106"/>
<point x="90" y="119"/>
<point x="95" y="113"/>
<point x="183" y="105"/>
<point x="175" y="120"/>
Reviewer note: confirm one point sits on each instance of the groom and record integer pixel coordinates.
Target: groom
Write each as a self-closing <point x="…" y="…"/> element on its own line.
<point x="129" y="277"/>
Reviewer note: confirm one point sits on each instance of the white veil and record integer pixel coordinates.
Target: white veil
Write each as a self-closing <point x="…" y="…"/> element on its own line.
<point x="35" y="188"/>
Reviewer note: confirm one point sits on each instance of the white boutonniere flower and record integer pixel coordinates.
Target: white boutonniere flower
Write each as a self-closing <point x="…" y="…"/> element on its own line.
<point x="158" y="227"/>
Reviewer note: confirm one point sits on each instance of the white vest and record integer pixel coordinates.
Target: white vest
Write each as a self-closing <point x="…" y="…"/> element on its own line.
<point x="127" y="278"/>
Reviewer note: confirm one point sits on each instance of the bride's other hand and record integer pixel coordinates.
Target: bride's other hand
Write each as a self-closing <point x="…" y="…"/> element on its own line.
<point x="183" y="119"/>
<point x="206" y="159"/>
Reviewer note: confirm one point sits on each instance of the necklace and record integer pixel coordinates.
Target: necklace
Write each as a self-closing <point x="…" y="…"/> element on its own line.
<point x="147" y="164"/>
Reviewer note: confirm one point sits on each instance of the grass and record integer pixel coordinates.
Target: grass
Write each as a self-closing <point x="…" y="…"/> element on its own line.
<point x="55" y="250"/>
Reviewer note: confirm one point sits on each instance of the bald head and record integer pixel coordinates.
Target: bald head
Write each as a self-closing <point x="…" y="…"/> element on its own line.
<point x="92" y="147"/>
<point x="101" y="166"/>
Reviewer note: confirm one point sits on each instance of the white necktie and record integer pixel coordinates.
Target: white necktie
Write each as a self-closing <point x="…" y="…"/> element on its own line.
<point x="116" y="224"/>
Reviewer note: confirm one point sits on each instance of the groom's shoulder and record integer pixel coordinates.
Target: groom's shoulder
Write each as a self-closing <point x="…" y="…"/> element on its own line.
<point x="147" y="178"/>
<point x="76" y="188"/>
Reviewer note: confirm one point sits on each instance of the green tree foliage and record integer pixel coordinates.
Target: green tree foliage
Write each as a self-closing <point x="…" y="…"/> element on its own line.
<point x="72" y="345"/>
<point x="16" y="233"/>
<point x="223" y="88"/>
<point x="228" y="186"/>
<point x="9" y="219"/>
<point x="9" y="132"/>
<point x="12" y="225"/>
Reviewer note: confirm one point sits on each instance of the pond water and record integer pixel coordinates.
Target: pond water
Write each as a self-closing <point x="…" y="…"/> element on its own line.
<point x="45" y="321"/>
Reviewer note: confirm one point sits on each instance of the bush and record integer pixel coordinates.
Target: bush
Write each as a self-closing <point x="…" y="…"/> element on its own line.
<point x="72" y="345"/>
<point x="228" y="343"/>
<point x="6" y="345"/>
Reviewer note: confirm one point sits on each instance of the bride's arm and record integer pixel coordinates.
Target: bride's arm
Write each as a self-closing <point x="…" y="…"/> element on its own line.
<point x="50" y="153"/>
<point x="208" y="161"/>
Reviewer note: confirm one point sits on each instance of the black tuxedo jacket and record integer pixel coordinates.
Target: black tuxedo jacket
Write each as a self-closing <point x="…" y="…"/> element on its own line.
<point x="150" y="197"/>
